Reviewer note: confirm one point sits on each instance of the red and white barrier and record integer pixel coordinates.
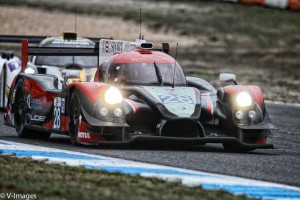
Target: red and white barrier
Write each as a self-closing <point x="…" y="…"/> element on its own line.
<point x="281" y="4"/>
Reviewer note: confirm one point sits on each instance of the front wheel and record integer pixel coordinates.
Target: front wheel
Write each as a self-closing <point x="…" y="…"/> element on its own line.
<point x="20" y="110"/>
<point x="19" y="115"/>
<point x="74" y="115"/>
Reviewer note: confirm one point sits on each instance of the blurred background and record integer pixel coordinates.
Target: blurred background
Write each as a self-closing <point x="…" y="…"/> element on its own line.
<point x="261" y="45"/>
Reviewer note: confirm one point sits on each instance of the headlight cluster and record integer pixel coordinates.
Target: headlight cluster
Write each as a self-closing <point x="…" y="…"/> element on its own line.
<point x="110" y="107"/>
<point x="245" y="111"/>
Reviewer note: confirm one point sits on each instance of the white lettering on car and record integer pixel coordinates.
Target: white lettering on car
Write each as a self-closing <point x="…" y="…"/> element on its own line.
<point x="37" y="118"/>
<point x="84" y="135"/>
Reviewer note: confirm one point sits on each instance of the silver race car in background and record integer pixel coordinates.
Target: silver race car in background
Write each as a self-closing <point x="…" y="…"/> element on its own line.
<point x="10" y="65"/>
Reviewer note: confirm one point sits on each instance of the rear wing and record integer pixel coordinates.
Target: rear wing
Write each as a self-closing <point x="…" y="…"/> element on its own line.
<point x="103" y="49"/>
<point x="34" y="39"/>
<point x="54" y="51"/>
<point x="107" y="48"/>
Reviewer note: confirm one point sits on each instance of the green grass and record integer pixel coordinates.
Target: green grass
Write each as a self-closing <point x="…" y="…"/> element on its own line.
<point x="53" y="181"/>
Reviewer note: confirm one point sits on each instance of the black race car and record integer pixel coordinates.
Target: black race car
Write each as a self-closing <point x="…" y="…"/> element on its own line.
<point x="138" y="95"/>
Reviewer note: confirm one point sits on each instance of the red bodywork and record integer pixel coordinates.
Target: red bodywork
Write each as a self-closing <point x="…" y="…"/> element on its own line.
<point x="144" y="56"/>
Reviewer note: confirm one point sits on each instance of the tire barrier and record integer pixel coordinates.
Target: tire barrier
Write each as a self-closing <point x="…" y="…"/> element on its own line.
<point x="281" y="4"/>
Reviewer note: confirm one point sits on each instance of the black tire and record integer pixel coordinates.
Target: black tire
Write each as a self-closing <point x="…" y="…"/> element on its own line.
<point x="19" y="115"/>
<point x="19" y="111"/>
<point x="74" y="114"/>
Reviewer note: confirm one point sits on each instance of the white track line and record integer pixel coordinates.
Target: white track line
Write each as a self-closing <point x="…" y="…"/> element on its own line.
<point x="235" y="185"/>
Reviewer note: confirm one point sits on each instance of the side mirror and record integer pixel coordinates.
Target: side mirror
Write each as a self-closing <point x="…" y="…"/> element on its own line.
<point x="7" y="55"/>
<point x="227" y="77"/>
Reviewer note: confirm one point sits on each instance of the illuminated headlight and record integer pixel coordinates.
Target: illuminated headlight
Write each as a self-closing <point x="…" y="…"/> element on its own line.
<point x="243" y="99"/>
<point x="118" y="112"/>
<point x="113" y="96"/>
<point x="29" y="70"/>
<point x="103" y="111"/>
<point x="239" y="114"/>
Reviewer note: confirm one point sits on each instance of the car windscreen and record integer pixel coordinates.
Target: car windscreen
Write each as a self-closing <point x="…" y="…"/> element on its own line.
<point x="147" y="74"/>
<point x="61" y="61"/>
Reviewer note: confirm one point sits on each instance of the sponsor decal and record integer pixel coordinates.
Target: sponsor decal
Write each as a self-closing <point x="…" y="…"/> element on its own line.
<point x="70" y="42"/>
<point x="38" y="118"/>
<point x="13" y="66"/>
<point x="57" y="112"/>
<point x="170" y="90"/>
<point x="110" y="46"/>
<point x="173" y="98"/>
<point x="57" y="102"/>
<point x="180" y="100"/>
<point x="84" y="135"/>
<point x="62" y="105"/>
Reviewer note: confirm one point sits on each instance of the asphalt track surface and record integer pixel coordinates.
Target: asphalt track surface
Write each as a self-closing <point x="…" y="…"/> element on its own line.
<point x="279" y="165"/>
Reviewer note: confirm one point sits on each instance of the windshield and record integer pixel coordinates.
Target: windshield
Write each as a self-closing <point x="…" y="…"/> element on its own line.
<point x="60" y="61"/>
<point x="147" y="74"/>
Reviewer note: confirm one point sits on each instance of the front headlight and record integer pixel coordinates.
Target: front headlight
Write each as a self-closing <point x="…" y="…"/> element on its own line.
<point x="113" y="96"/>
<point x="243" y="99"/>
<point x="29" y="70"/>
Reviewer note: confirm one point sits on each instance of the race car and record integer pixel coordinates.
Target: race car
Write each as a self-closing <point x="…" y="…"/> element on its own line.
<point x="139" y="95"/>
<point x="10" y="65"/>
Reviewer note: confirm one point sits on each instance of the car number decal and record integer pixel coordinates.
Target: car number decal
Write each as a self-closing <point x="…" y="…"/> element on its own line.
<point x="171" y="98"/>
<point x="56" y="112"/>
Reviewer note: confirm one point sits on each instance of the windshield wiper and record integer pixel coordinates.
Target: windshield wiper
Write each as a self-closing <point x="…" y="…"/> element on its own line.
<point x="158" y="74"/>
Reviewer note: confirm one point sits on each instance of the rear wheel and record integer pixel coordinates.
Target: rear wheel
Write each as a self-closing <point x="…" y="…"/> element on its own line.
<point x="74" y="114"/>
<point x="19" y="115"/>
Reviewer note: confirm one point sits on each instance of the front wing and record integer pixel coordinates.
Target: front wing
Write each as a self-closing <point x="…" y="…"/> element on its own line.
<point x="161" y="140"/>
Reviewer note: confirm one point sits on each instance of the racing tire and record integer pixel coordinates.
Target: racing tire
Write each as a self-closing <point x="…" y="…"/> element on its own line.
<point x="19" y="111"/>
<point x="74" y="114"/>
<point x="19" y="115"/>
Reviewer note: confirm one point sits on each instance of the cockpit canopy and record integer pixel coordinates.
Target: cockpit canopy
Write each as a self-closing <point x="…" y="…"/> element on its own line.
<point x="147" y="74"/>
